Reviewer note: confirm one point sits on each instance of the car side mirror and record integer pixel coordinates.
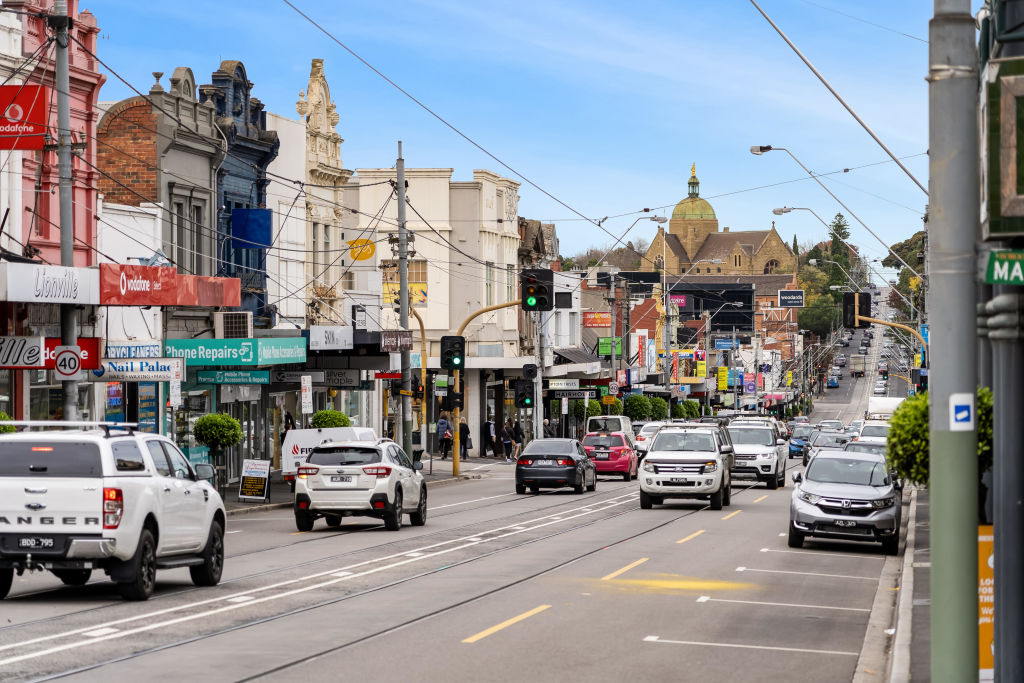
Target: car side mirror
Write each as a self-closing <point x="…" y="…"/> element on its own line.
<point x="418" y="465"/>
<point x="727" y="449"/>
<point x="780" y="442"/>
<point x="797" y="478"/>
<point x="204" y="471"/>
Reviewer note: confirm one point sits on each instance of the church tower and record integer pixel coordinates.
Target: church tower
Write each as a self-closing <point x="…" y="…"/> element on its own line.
<point x="693" y="219"/>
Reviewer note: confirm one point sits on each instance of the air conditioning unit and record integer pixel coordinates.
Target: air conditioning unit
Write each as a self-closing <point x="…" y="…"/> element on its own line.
<point x="232" y="324"/>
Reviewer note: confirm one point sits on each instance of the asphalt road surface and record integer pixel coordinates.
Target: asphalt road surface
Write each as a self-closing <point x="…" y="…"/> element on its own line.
<point x="495" y="587"/>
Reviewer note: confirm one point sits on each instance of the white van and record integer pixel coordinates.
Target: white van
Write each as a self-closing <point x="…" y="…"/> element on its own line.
<point x="612" y="423"/>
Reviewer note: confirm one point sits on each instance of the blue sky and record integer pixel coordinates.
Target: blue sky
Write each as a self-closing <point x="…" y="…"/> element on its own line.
<point x="605" y="105"/>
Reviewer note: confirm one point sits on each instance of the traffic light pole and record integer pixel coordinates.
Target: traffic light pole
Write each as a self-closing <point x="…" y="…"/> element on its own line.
<point x="405" y="400"/>
<point x="538" y="382"/>
<point x="455" y="387"/>
<point x="424" y="350"/>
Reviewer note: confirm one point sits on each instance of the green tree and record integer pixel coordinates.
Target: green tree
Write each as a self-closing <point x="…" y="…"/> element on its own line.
<point x="796" y="247"/>
<point x="637" y="407"/>
<point x="568" y="262"/>
<point x="659" y="408"/>
<point x="692" y="409"/>
<point x="812" y="254"/>
<point x="5" y="429"/>
<point x="615" y="408"/>
<point x="820" y="317"/>
<point x="678" y="411"/>
<point x="583" y="409"/>
<point x="907" y="249"/>
<point x="813" y="281"/>
<point x="218" y="431"/>
<point x="323" y="419"/>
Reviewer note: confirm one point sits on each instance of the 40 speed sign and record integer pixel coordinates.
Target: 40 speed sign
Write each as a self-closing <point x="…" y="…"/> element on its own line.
<point x="67" y="362"/>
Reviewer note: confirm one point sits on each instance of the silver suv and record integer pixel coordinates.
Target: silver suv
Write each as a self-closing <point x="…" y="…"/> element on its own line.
<point x="848" y="496"/>
<point x="367" y="478"/>
<point x="688" y="462"/>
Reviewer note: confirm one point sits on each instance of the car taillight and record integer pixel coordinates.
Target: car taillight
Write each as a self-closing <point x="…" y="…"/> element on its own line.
<point x="524" y="461"/>
<point x="113" y="508"/>
<point x="377" y="471"/>
<point x="641" y="438"/>
<point x="566" y="461"/>
<point x="304" y="472"/>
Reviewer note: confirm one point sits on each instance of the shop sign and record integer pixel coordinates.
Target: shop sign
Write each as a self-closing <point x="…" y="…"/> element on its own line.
<point x="25" y="118"/>
<point x="253" y="485"/>
<point x="986" y="602"/>
<point x="133" y="349"/>
<point x="137" y="285"/>
<point x="139" y="370"/>
<point x="584" y="393"/>
<point x="325" y="337"/>
<point x="604" y="346"/>
<point x="383" y="374"/>
<point x="233" y="377"/>
<point x="21" y="352"/>
<point x="262" y="351"/>
<point x="90" y="353"/>
<point x="393" y="341"/>
<point x="202" y="290"/>
<point x="597" y="319"/>
<point x="37" y="283"/>
<point x="791" y="298"/>
<point x="341" y="378"/>
<point x="295" y="376"/>
<point x="563" y="384"/>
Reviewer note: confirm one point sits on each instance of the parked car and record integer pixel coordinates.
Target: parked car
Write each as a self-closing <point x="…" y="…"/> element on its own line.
<point x="361" y="478"/>
<point x="687" y="463"/>
<point x="848" y="496"/>
<point x="760" y="453"/>
<point x="611" y="454"/>
<point x="555" y="463"/>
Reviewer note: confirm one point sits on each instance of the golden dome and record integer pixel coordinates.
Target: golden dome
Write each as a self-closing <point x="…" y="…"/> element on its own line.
<point x="693" y="207"/>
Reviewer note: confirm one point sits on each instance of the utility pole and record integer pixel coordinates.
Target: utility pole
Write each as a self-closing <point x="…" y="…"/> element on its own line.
<point x="614" y="302"/>
<point x="403" y="320"/>
<point x="538" y="384"/>
<point x="953" y="169"/>
<point x="60" y="22"/>
<point x="734" y="353"/>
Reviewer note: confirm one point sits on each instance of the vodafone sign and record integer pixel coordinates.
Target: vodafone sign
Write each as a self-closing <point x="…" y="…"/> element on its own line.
<point x="89" y="353"/>
<point x="137" y="285"/>
<point x="23" y="119"/>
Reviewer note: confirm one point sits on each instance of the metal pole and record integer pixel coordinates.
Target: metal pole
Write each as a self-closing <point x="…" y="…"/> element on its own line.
<point x="953" y="169"/>
<point x="734" y="353"/>
<point x="60" y="22"/>
<point x="614" y="302"/>
<point x="538" y="384"/>
<point x="405" y="400"/>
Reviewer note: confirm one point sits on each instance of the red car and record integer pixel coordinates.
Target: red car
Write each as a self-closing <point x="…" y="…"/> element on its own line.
<point x="611" y="454"/>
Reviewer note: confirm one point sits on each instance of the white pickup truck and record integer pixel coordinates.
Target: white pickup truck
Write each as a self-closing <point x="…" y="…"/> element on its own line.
<point x="73" y="501"/>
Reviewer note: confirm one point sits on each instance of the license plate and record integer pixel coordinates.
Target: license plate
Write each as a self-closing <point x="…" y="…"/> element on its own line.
<point x="546" y="462"/>
<point x="600" y="455"/>
<point x="677" y="480"/>
<point x="35" y="542"/>
<point x="342" y="478"/>
<point x="845" y="522"/>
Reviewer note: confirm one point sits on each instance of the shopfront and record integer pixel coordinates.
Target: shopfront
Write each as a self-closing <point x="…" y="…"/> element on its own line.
<point x="134" y="401"/>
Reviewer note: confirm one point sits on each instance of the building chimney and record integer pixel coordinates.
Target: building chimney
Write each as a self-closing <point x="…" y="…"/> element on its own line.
<point x="725" y="229"/>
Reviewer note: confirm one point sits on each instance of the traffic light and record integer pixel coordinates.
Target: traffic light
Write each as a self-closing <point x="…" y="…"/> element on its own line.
<point x="452" y="400"/>
<point x="529" y="371"/>
<point x="523" y="389"/>
<point x="398" y="305"/>
<point x="537" y="289"/>
<point x="453" y="352"/>
<point x="854" y="304"/>
<point x="417" y="386"/>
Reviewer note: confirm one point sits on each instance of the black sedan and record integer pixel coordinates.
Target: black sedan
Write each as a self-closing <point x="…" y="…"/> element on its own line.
<point x="555" y="463"/>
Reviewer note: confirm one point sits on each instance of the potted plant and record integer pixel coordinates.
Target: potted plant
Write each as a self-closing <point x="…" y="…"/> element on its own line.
<point x="218" y="431"/>
<point x="323" y="419"/>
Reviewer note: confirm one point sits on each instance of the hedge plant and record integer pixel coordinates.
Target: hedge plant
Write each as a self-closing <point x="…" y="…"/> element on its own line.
<point x="615" y="408"/>
<point x="5" y="429"/>
<point x="659" y="408"/>
<point x="692" y="409"/>
<point x="323" y="419"/>
<point x="218" y="431"/>
<point x="637" y="407"/>
<point x="583" y="409"/>
<point x="678" y="411"/>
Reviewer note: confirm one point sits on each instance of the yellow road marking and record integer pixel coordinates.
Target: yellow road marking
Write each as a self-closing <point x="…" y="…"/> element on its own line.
<point x="505" y="624"/>
<point x="732" y="514"/>
<point x="623" y="570"/>
<point x="761" y="498"/>
<point x="672" y="582"/>
<point x="695" y="534"/>
<point x="296" y="533"/>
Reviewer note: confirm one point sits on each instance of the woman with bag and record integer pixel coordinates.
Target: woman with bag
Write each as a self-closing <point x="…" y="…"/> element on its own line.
<point x="444" y="434"/>
<point x="465" y="443"/>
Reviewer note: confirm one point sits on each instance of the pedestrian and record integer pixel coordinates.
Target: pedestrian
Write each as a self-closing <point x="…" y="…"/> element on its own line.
<point x="549" y="430"/>
<point x="444" y="434"/>
<point x="508" y="438"/>
<point x="489" y="439"/>
<point x="289" y="423"/>
<point x="517" y="436"/>
<point x="464" y="441"/>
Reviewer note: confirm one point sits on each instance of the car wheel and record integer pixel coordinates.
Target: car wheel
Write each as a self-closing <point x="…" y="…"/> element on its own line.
<point x="304" y="520"/>
<point x="627" y="475"/>
<point x="393" y="517"/>
<point x="727" y="493"/>
<point x="208" y="573"/>
<point x="593" y="483"/>
<point x="141" y="586"/>
<point x="716" y="497"/>
<point x="796" y="539"/>
<point x="419" y="516"/>
<point x="73" y="577"/>
<point x="333" y="520"/>
<point x="773" y="483"/>
<point x="646" y="503"/>
<point x="521" y="489"/>
<point x="891" y="545"/>
<point x="6" y="579"/>
<point x="578" y="488"/>
<point x="534" y="489"/>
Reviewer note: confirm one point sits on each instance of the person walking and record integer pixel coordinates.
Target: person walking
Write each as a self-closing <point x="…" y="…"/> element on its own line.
<point x="444" y="434"/>
<point x="464" y="442"/>
<point x="517" y="436"/>
<point x="508" y="437"/>
<point x="549" y="430"/>
<point x="489" y="439"/>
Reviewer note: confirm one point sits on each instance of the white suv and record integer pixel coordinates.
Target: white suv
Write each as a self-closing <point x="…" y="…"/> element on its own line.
<point x="687" y="463"/>
<point x="759" y="453"/>
<point x="368" y="478"/>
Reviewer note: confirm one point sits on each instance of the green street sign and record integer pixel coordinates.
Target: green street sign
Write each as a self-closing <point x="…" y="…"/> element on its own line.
<point x="604" y="346"/>
<point x="1005" y="268"/>
<point x="261" y="351"/>
<point x="233" y="377"/>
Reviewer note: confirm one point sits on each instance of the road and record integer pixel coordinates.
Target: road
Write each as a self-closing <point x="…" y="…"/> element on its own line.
<point x="495" y="587"/>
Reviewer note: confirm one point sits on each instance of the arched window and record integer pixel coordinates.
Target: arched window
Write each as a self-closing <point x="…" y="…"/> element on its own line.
<point x="771" y="267"/>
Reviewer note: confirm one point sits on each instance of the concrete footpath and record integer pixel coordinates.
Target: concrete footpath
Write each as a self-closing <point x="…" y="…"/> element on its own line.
<point x="435" y="471"/>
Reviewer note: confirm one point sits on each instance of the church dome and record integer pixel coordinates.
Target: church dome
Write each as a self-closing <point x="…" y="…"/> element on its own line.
<point x="693" y="207"/>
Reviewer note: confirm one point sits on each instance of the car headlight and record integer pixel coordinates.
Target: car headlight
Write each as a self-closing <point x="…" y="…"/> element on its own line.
<point x="710" y="466"/>
<point x="809" y="497"/>
<point x="883" y="502"/>
<point x="648" y="466"/>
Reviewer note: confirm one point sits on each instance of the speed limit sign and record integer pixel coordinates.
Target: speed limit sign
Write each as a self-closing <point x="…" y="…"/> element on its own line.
<point x="67" y="362"/>
<point x="613" y="388"/>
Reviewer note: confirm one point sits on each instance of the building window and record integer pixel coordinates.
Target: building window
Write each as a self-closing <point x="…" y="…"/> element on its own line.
<point x="181" y="254"/>
<point x="736" y="261"/>
<point x="316" y="259"/>
<point x="510" y="282"/>
<point x="199" y="265"/>
<point x="392" y="281"/>
<point x="489" y="285"/>
<point x="348" y="281"/>
<point x="719" y="269"/>
<point x="771" y="267"/>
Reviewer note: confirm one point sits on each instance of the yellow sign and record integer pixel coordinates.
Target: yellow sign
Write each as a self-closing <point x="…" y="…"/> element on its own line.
<point x="723" y="378"/>
<point x="417" y="293"/>
<point x="917" y="360"/>
<point x="361" y="250"/>
<point x="702" y="368"/>
<point x="608" y="400"/>
<point x="789" y="378"/>
<point x="986" y="602"/>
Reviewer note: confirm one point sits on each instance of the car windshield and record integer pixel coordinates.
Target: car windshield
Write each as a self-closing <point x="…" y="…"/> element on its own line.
<point x="606" y="424"/>
<point x="602" y="440"/>
<point x="649" y="429"/>
<point x="343" y="455"/>
<point x="827" y="439"/>
<point x="847" y="471"/>
<point x="50" y="459"/>
<point x="686" y="441"/>
<point x="802" y="431"/>
<point x="865" y="447"/>
<point x="875" y="430"/>
<point x="756" y="437"/>
<point x="548" y="447"/>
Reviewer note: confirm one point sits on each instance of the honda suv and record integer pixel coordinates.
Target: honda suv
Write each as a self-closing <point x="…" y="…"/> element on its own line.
<point x="367" y="478"/>
<point x="687" y="463"/>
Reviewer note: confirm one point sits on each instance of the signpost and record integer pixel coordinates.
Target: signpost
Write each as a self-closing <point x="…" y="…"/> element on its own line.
<point x="175" y="398"/>
<point x="307" y="394"/>
<point x="393" y="341"/>
<point x="254" y="484"/>
<point x="613" y="387"/>
<point x="608" y="400"/>
<point x="67" y="363"/>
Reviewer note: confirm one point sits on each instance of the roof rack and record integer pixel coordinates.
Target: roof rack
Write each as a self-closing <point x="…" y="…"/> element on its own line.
<point x="56" y="424"/>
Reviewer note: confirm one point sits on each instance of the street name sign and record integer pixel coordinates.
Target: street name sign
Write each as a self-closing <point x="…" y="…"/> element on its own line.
<point x="1005" y="268"/>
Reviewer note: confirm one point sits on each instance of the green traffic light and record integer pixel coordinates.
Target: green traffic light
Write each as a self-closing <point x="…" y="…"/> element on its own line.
<point x="531" y="301"/>
<point x="528" y="401"/>
<point x="456" y="361"/>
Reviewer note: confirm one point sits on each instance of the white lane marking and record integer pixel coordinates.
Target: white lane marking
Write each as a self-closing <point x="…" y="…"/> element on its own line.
<point x="656" y="639"/>
<point x="237" y="531"/>
<point x="100" y="632"/>
<point x="414" y="554"/>
<point x="241" y="598"/>
<point x="341" y="574"/>
<point x="622" y="500"/>
<point x="783" y="571"/>
<point x="466" y="502"/>
<point x="814" y="552"/>
<point x="708" y="598"/>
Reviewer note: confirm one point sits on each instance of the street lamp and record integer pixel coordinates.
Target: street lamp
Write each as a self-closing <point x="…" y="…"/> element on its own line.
<point x="758" y="150"/>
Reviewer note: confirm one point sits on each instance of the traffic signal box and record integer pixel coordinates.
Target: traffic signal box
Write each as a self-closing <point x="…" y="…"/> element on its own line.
<point x="523" y="389"/>
<point x="453" y="352"/>
<point x="452" y="400"/>
<point x="856" y="303"/>
<point x="530" y="371"/>
<point x="537" y="289"/>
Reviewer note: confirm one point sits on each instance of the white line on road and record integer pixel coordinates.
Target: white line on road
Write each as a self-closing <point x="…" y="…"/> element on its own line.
<point x="813" y="552"/>
<point x="100" y="632"/>
<point x="830" y="576"/>
<point x="466" y="502"/>
<point x="237" y="531"/>
<point x="240" y="598"/>
<point x="656" y="639"/>
<point x="708" y="598"/>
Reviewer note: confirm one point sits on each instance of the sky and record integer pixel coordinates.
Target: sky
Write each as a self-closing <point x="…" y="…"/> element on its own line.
<point x="602" y="106"/>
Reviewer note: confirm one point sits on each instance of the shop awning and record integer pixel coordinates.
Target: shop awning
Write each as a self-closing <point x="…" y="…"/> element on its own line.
<point x="576" y="355"/>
